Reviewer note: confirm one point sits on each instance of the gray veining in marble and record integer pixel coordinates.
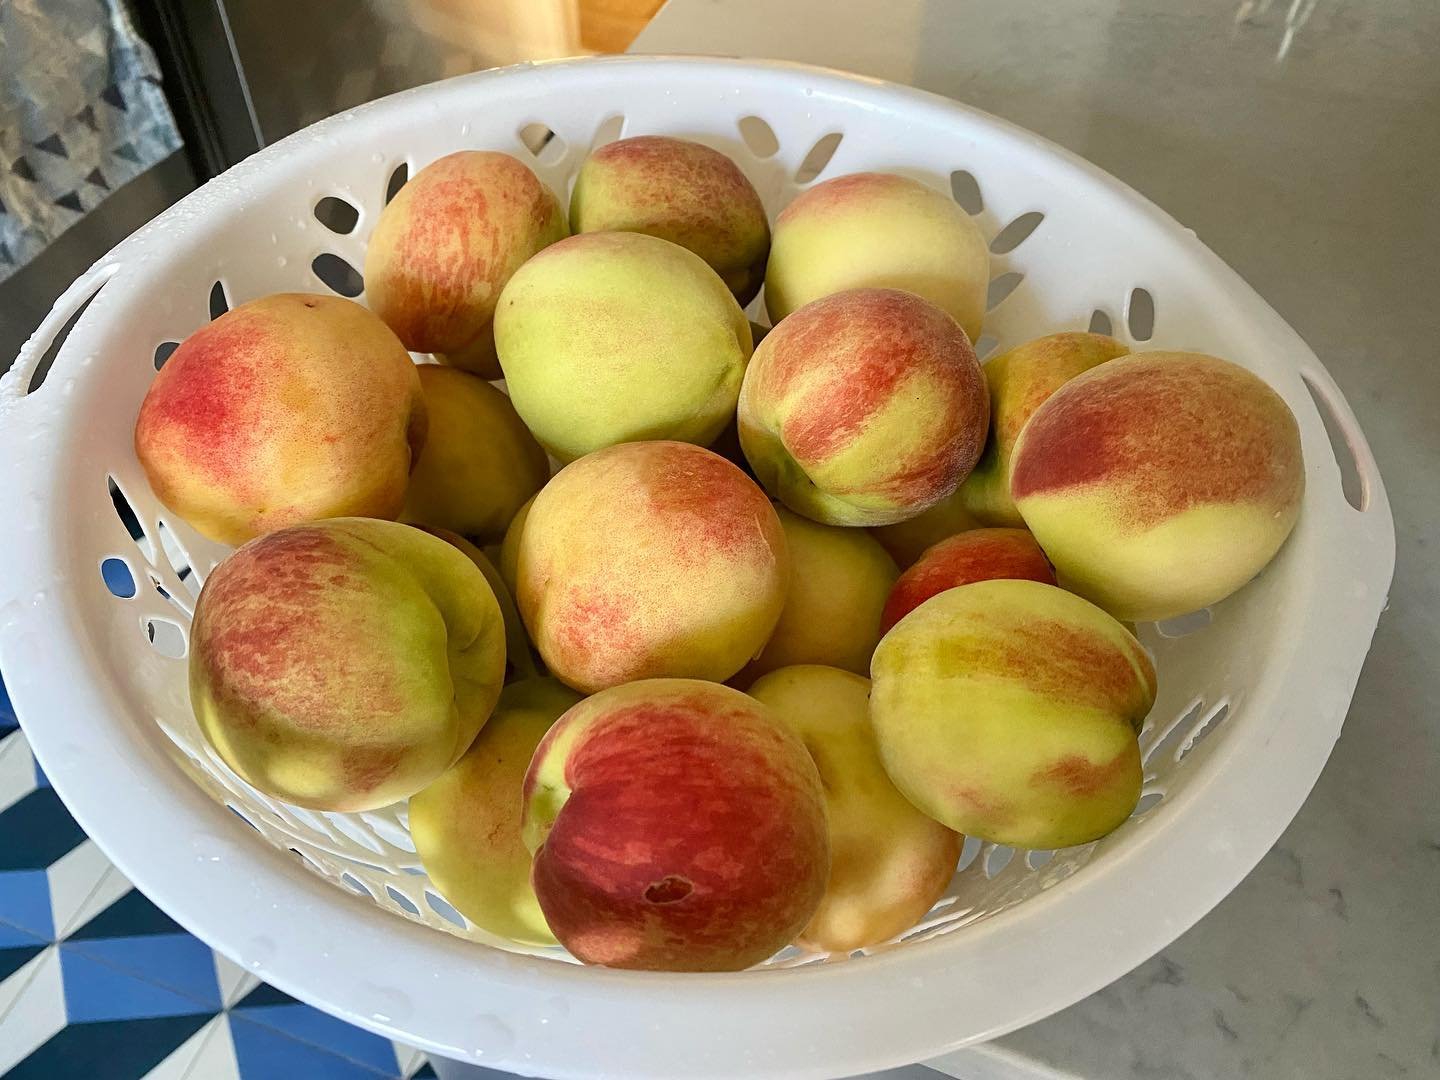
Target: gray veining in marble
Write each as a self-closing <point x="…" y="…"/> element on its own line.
<point x="1301" y="140"/>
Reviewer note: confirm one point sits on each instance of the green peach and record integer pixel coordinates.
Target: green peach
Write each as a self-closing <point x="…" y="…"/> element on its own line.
<point x="615" y="337"/>
<point x="466" y="824"/>
<point x="889" y="863"/>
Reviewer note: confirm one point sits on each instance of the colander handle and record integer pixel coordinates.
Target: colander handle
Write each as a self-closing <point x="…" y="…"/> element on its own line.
<point x="15" y="383"/>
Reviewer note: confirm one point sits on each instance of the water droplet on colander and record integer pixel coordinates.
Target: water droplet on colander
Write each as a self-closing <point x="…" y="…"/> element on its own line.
<point x="259" y="949"/>
<point x="555" y="1008"/>
<point x="68" y="387"/>
<point x="282" y="261"/>
<point x="209" y="849"/>
<point x="492" y="1037"/>
<point x="38" y="598"/>
<point x="390" y="1005"/>
<point x="465" y="129"/>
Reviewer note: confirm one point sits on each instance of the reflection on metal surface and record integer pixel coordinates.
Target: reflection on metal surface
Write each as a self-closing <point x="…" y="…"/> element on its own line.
<point x="1253" y="12"/>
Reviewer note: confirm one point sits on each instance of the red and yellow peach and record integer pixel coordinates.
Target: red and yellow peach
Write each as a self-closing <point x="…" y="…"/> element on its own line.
<point x="345" y="664"/>
<point x="863" y="408"/>
<point x="1020" y="380"/>
<point x="1161" y="482"/>
<point x="676" y="825"/>
<point x="977" y="555"/>
<point x="679" y="191"/>
<point x="1010" y="710"/>
<point x="445" y="246"/>
<point x="284" y="410"/>
<point x="650" y="559"/>
<point x="878" y="230"/>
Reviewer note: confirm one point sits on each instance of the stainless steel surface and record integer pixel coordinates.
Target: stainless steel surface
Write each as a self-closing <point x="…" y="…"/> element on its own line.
<point x="1300" y="140"/>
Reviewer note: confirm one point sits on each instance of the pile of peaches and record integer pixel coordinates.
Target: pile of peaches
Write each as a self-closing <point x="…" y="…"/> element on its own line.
<point x="684" y="649"/>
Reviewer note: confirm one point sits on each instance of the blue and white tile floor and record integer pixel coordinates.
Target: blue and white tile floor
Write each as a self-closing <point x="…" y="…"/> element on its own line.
<point x="97" y="982"/>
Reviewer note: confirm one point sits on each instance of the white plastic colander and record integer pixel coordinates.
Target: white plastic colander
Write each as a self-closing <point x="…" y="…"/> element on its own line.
<point x="334" y="908"/>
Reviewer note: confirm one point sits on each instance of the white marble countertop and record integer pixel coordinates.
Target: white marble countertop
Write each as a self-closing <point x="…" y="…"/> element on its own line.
<point x="1300" y="139"/>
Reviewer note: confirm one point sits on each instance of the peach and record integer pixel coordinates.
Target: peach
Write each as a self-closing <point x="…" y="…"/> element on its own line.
<point x="679" y="191"/>
<point x="519" y="658"/>
<point x="977" y="555"/>
<point x="676" y="825"/>
<point x="284" y="410"/>
<point x="907" y="540"/>
<point x="878" y="230"/>
<point x="510" y="548"/>
<point x="1010" y="710"/>
<point x="479" y="464"/>
<point x="839" y="579"/>
<point x="611" y="337"/>
<point x="889" y="863"/>
<point x="650" y="559"/>
<point x="1020" y="381"/>
<point x="445" y="246"/>
<point x="1161" y="482"/>
<point x="863" y="408"/>
<point x="344" y="664"/>
<point x="466" y="824"/>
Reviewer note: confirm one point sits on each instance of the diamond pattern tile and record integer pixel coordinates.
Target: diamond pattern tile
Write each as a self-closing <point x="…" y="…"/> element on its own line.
<point x="97" y="981"/>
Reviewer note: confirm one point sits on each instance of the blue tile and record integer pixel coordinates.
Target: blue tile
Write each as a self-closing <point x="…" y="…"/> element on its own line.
<point x="263" y="1053"/>
<point x="7" y="711"/>
<point x="265" y="994"/>
<point x="319" y="1029"/>
<point x="25" y="904"/>
<point x="176" y="962"/>
<point x="13" y="958"/>
<point x="97" y="991"/>
<point x="115" y="1050"/>
<point x="37" y="830"/>
<point x="133" y="915"/>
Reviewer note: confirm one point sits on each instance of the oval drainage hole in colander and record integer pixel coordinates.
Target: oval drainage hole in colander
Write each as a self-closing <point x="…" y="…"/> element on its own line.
<point x="337" y="214"/>
<point x="338" y="275"/>
<point x="163" y="351"/>
<point x="1201" y="731"/>
<point x="115" y="572"/>
<point x="542" y="142"/>
<point x="759" y="136"/>
<point x="1184" y="625"/>
<point x="130" y="520"/>
<point x="965" y="190"/>
<point x="818" y="157"/>
<point x="1101" y="323"/>
<point x="1016" y="233"/>
<point x="1001" y="288"/>
<point x="47" y="359"/>
<point x="398" y="176"/>
<point x="167" y="637"/>
<point x="1140" y="314"/>
<point x="219" y="300"/>
<point x="610" y="129"/>
<point x="1352" y="485"/>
